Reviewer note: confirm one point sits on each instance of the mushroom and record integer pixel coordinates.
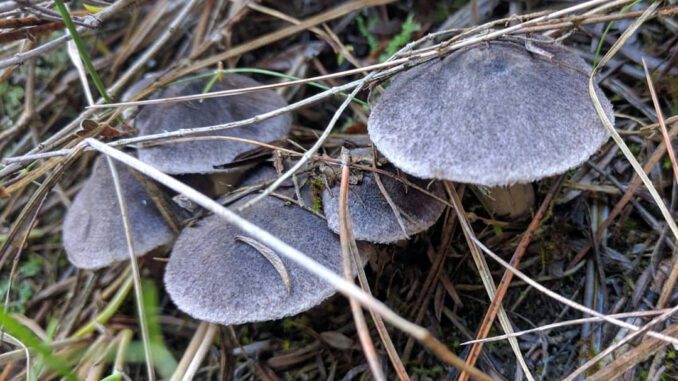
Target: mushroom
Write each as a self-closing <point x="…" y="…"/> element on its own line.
<point x="206" y="156"/>
<point x="491" y="114"/>
<point x="93" y="232"/>
<point x="217" y="275"/>
<point x="373" y="219"/>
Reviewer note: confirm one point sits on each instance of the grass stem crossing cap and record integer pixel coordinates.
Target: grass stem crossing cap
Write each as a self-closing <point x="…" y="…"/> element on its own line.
<point x="372" y="216"/>
<point x="491" y="114"/>
<point x="93" y="231"/>
<point x="217" y="275"/>
<point x="201" y="156"/>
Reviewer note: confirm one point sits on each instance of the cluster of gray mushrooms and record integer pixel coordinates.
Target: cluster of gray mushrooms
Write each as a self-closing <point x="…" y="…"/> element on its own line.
<point x="493" y="114"/>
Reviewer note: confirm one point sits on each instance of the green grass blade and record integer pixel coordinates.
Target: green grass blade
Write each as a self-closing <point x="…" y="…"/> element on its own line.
<point x="63" y="11"/>
<point x="34" y="344"/>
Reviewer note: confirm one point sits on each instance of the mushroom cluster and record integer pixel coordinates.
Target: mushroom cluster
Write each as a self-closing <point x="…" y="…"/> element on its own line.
<point x="501" y="115"/>
<point x="213" y="273"/>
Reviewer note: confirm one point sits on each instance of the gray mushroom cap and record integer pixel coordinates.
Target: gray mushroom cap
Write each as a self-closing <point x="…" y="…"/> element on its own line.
<point x="372" y="217"/>
<point x="203" y="156"/>
<point x="212" y="276"/>
<point x="491" y="114"/>
<point x="93" y="234"/>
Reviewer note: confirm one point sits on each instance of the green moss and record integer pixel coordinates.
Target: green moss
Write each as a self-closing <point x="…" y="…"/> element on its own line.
<point x="401" y="39"/>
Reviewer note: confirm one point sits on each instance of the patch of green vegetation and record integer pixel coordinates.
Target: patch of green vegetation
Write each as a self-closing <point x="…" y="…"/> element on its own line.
<point x="317" y="188"/>
<point x="435" y="373"/>
<point x="666" y="164"/>
<point x="22" y="288"/>
<point x="11" y="100"/>
<point x="31" y="341"/>
<point x="401" y="39"/>
<point x="364" y="29"/>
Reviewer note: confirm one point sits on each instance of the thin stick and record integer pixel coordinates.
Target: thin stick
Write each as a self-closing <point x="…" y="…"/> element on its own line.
<point x="568" y="302"/>
<point x="505" y="282"/>
<point x="136" y="274"/>
<point x="201" y="352"/>
<point x="486" y="277"/>
<point x="662" y="124"/>
<point x="343" y="286"/>
<point x="610" y="128"/>
<point x="565" y="324"/>
<point x="189" y="352"/>
<point x="628" y="364"/>
<point x="346" y="236"/>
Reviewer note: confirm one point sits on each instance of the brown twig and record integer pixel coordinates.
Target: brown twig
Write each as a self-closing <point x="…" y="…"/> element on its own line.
<point x="347" y="241"/>
<point x="31" y="33"/>
<point x="657" y="154"/>
<point x="505" y="282"/>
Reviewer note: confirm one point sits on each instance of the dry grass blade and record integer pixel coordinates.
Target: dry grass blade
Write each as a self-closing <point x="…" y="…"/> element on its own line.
<point x="348" y="246"/>
<point x="568" y="302"/>
<point x="564" y="324"/>
<point x="77" y="62"/>
<point x="486" y="277"/>
<point x="343" y="286"/>
<point x="201" y="352"/>
<point x="610" y="128"/>
<point x="6" y="337"/>
<point x="505" y="282"/>
<point x="270" y="256"/>
<point x="190" y="351"/>
<point x="630" y="358"/>
<point x="670" y="284"/>
<point x="136" y="274"/>
<point x="660" y="119"/>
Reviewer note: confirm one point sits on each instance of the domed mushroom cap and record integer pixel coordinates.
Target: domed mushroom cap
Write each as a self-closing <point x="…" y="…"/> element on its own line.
<point x="202" y="156"/>
<point x="93" y="233"/>
<point x="372" y="217"/>
<point x="491" y="114"/>
<point x="214" y="276"/>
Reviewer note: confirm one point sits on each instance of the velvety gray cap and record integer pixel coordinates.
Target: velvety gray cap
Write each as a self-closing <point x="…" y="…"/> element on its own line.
<point x="214" y="277"/>
<point x="491" y="114"/>
<point x="93" y="233"/>
<point x="202" y="156"/>
<point x="372" y="217"/>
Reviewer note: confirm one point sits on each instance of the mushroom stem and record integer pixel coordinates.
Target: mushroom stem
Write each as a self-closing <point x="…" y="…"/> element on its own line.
<point x="513" y="201"/>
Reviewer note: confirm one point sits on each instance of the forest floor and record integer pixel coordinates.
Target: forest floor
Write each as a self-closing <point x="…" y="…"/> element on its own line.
<point x="595" y="236"/>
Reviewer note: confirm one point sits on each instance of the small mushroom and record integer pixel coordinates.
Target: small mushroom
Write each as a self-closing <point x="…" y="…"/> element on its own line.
<point x="205" y="156"/>
<point x="372" y="216"/>
<point x="93" y="232"/>
<point x="491" y="114"/>
<point x="217" y="275"/>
